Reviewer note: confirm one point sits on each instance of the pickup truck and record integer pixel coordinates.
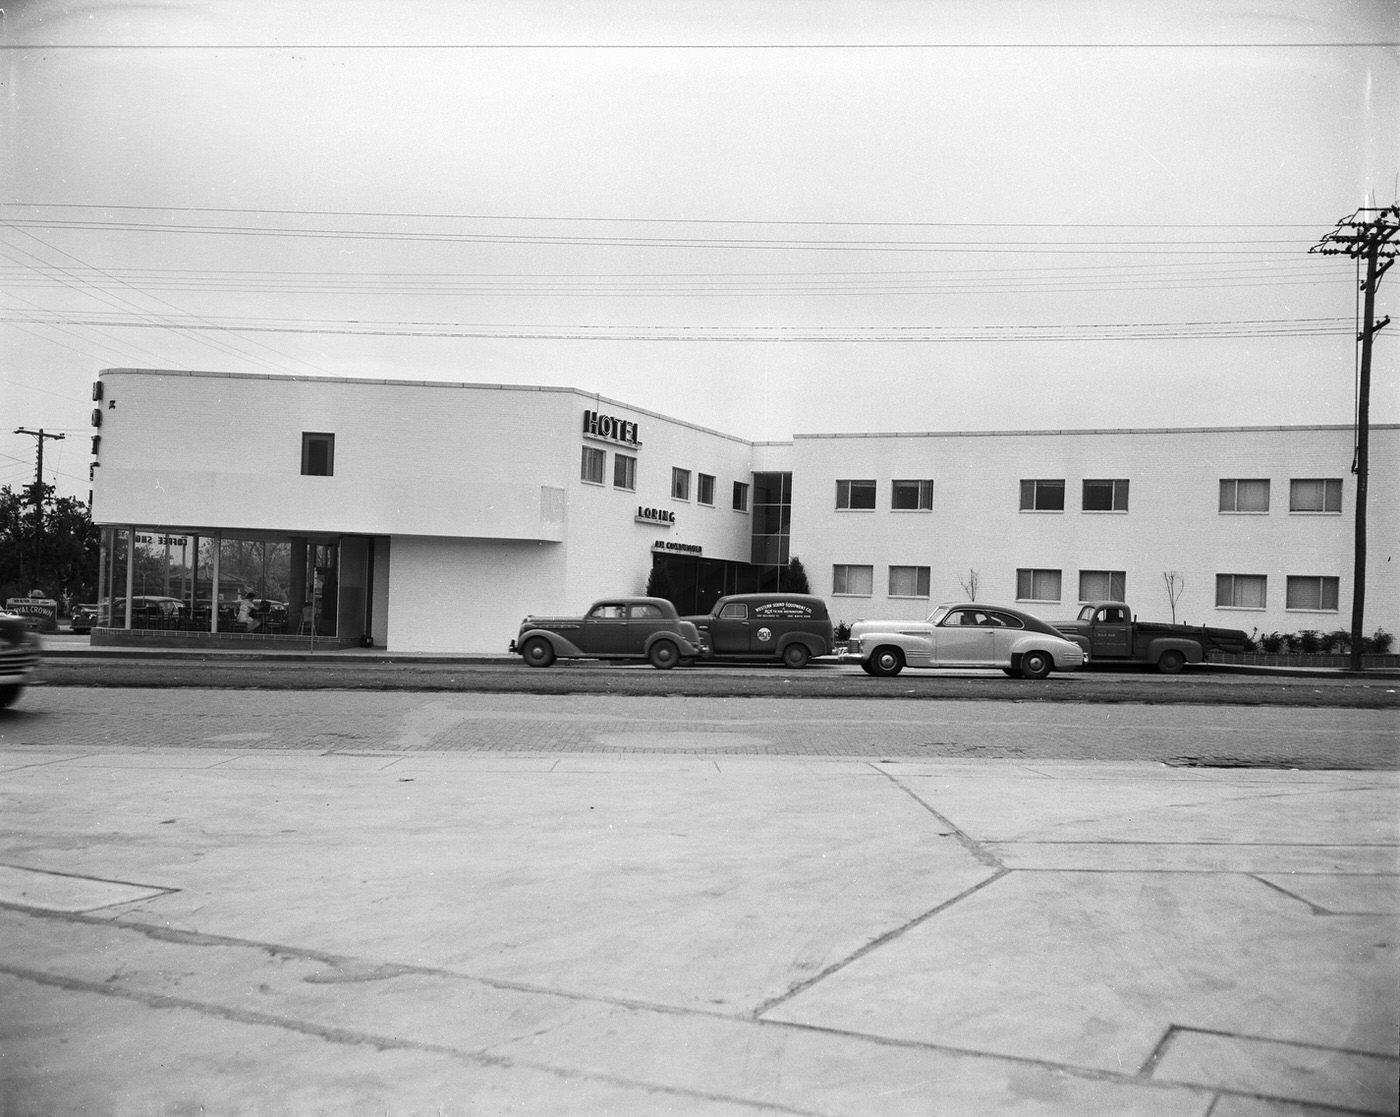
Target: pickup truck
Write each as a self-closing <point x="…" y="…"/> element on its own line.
<point x="1109" y="634"/>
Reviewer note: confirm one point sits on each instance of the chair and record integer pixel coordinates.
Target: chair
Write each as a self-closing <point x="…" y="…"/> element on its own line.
<point x="308" y="621"/>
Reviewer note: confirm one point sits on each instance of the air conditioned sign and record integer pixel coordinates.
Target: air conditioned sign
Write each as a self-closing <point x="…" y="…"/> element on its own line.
<point x="686" y="548"/>
<point x="610" y="428"/>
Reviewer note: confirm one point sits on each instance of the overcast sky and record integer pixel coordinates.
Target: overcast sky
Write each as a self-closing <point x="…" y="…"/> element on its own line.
<point x="767" y="218"/>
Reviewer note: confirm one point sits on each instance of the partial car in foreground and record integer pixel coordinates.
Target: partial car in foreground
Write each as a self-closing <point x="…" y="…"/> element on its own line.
<point x="646" y="628"/>
<point x="964" y="634"/>
<point x="19" y="657"/>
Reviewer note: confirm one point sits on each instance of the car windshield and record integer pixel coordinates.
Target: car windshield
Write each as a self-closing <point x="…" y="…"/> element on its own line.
<point x="938" y="614"/>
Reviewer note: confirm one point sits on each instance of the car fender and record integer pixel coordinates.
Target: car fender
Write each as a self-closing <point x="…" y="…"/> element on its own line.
<point x="814" y="644"/>
<point x="563" y="649"/>
<point x="688" y="647"/>
<point x="869" y="641"/>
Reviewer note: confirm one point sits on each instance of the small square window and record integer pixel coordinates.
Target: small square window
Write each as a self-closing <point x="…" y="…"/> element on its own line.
<point x="911" y="496"/>
<point x="625" y="472"/>
<point x="855" y="495"/>
<point x="704" y="489"/>
<point x="317" y="454"/>
<point x="1042" y="496"/>
<point x="680" y="484"/>
<point x="591" y="469"/>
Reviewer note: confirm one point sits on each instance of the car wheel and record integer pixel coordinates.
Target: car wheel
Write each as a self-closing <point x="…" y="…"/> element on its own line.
<point x="1035" y="665"/>
<point x="886" y="662"/>
<point x="9" y="693"/>
<point x="664" y="655"/>
<point x="1171" y="662"/>
<point x="865" y="666"/>
<point x="537" y="652"/>
<point x="796" y="656"/>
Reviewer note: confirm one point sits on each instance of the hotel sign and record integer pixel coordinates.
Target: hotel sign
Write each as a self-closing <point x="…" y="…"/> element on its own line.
<point x="610" y="428"/>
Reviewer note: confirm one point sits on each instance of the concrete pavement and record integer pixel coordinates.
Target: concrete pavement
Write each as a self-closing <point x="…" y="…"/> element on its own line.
<point x="221" y="929"/>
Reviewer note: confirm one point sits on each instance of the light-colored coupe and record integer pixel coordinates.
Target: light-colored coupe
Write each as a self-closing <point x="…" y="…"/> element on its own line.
<point x="966" y="634"/>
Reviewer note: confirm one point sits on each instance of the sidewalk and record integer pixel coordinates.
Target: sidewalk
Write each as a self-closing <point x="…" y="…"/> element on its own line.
<point x="235" y="932"/>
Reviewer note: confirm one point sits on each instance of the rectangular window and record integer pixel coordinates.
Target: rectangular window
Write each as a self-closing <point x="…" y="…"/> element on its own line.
<point x="1037" y="585"/>
<point x="1042" y="496"/>
<point x="317" y="454"/>
<point x="705" y="489"/>
<point x="1106" y="496"/>
<point x="591" y="470"/>
<point x="741" y="496"/>
<point x="852" y="581"/>
<point x="680" y="484"/>
<point x="1103" y="585"/>
<point x="1239" y="495"/>
<point x="855" y="495"/>
<point x="909" y="581"/>
<point x="625" y="472"/>
<point x="1316" y="594"/>
<point x="1241" y="591"/>
<point x="911" y="496"/>
<point x="1315" y="495"/>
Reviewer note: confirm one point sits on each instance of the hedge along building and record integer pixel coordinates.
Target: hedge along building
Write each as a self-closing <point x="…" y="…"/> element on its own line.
<point x="431" y="516"/>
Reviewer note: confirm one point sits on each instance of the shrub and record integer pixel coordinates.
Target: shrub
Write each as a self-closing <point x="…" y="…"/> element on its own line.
<point x="1379" y="644"/>
<point x="1308" y="641"/>
<point x="1272" y="643"/>
<point x="1340" y="640"/>
<point x="843" y="631"/>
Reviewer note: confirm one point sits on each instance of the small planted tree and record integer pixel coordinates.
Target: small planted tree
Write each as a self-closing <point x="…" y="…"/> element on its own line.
<point x="969" y="584"/>
<point x="1175" y="586"/>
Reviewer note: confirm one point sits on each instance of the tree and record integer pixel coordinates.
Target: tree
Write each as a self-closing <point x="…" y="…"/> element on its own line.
<point x="795" y="580"/>
<point x="969" y="584"/>
<point x="1175" y="586"/>
<point x="53" y="549"/>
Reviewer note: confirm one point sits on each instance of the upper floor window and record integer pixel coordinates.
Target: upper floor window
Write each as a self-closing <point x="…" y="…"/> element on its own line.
<point x="1241" y="591"/>
<point x="853" y="581"/>
<point x="1106" y="496"/>
<point x="855" y="495"/>
<point x="1244" y="495"/>
<point x="591" y="468"/>
<point x="911" y="496"/>
<point x="1317" y="594"/>
<point x="317" y="454"/>
<point x="1315" y="495"/>
<point x="1037" y="585"/>
<point x="909" y="581"/>
<point x="741" y="496"/>
<point x="625" y="472"/>
<point x="1042" y="496"/>
<point x="704" y="489"/>
<point x="680" y="484"/>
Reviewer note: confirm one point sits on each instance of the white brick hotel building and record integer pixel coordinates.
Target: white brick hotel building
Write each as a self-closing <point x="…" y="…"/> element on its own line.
<point x="430" y="517"/>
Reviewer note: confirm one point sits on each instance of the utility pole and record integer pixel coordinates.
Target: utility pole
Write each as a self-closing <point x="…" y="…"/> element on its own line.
<point x="1368" y="234"/>
<point x="38" y="493"/>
